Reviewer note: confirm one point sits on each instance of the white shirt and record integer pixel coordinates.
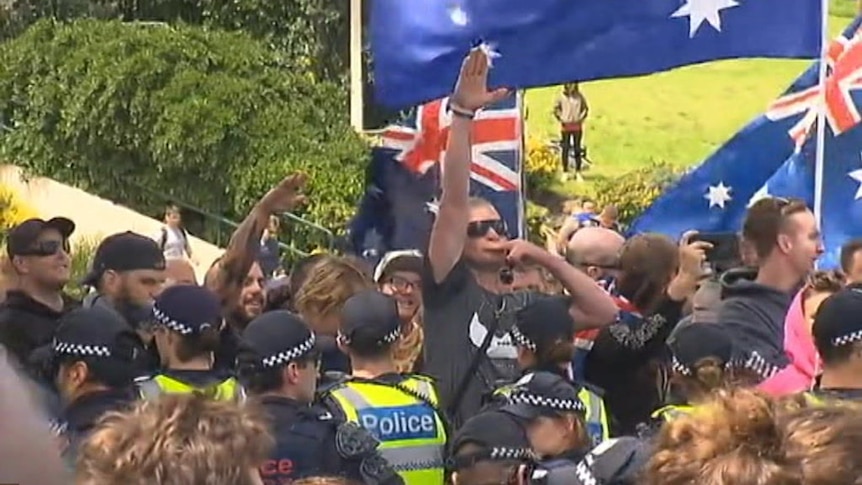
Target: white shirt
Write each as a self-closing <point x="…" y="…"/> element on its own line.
<point x="175" y="243"/>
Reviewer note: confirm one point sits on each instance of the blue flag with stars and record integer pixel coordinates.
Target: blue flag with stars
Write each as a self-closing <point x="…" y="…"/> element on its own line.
<point x="775" y="156"/>
<point x="418" y="45"/>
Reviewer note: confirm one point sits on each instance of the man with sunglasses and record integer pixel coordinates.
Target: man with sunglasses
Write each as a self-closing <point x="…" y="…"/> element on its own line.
<point x="38" y="252"/>
<point x="467" y="279"/>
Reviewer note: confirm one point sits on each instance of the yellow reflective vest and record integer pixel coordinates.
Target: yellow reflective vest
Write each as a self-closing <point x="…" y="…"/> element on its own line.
<point x="596" y="418"/>
<point x="671" y="412"/>
<point x="151" y="388"/>
<point x="412" y="433"/>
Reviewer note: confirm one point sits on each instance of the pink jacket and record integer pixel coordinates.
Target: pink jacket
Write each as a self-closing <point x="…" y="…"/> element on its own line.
<point x="804" y="364"/>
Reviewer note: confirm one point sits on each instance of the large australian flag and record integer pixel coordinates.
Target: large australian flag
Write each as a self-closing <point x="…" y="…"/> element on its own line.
<point x="403" y="180"/>
<point x="418" y="45"/>
<point x="775" y="156"/>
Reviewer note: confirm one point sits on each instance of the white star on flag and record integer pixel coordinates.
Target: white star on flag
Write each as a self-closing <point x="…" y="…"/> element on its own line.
<point x="490" y="51"/>
<point x="857" y="176"/>
<point x="718" y="195"/>
<point x="458" y="16"/>
<point x="700" y="11"/>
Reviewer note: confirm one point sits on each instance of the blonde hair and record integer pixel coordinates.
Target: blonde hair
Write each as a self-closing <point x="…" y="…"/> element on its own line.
<point x="408" y="349"/>
<point x="825" y="442"/>
<point x="327" y="285"/>
<point x="181" y="439"/>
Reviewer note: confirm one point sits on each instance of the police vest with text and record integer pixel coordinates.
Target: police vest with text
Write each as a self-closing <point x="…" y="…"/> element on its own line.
<point x="411" y="431"/>
<point x="596" y="418"/>
<point x="152" y="387"/>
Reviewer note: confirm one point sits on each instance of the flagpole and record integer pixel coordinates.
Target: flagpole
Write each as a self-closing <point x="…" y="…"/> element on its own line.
<point x="820" y="142"/>
<point x="522" y="165"/>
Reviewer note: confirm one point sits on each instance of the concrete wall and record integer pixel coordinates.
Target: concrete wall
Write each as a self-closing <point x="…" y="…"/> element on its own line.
<point x="95" y="217"/>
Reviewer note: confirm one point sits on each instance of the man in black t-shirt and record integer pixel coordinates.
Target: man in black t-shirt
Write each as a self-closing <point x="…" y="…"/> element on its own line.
<point x="467" y="280"/>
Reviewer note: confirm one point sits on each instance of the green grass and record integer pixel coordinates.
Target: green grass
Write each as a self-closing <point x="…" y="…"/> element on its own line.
<point x="679" y="116"/>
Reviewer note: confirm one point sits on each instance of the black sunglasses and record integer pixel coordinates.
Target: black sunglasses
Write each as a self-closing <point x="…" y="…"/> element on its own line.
<point x="477" y="229"/>
<point x="46" y="248"/>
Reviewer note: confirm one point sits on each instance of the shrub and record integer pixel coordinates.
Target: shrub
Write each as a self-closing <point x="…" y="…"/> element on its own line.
<point x="634" y="191"/>
<point x="83" y="250"/>
<point x="542" y="165"/>
<point x="13" y="210"/>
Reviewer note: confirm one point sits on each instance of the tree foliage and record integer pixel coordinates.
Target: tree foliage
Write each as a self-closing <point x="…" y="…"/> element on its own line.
<point x="211" y="118"/>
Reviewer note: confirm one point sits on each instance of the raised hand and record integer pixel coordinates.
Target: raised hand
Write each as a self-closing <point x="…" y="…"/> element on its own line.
<point x="471" y="90"/>
<point x="285" y="196"/>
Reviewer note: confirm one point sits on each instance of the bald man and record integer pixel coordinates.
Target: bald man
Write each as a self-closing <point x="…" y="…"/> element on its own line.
<point x="595" y="250"/>
<point x="179" y="272"/>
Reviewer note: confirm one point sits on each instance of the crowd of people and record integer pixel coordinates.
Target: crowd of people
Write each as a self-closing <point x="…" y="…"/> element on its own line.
<point x="478" y="360"/>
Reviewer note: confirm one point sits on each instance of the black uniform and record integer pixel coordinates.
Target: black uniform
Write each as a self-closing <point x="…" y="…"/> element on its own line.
<point x="309" y="440"/>
<point x="614" y="462"/>
<point x="105" y="343"/>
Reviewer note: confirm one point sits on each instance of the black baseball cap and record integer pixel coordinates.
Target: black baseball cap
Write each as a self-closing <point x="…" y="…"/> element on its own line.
<point x="274" y="339"/>
<point x="22" y="237"/>
<point x="125" y="251"/>
<point x="543" y="322"/>
<point x="187" y="309"/>
<point x="543" y="394"/>
<point x="498" y="437"/>
<point x="838" y="321"/>
<point x="699" y="341"/>
<point x="371" y="314"/>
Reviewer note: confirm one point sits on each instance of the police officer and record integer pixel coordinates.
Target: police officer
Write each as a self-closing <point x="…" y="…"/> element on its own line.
<point x="553" y="416"/>
<point x="399" y="409"/>
<point x="837" y="334"/>
<point x="278" y="363"/>
<point x="490" y="447"/>
<point x="618" y="461"/>
<point x="93" y="363"/>
<point x="544" y="334"/>
<point x="186" y="329"/>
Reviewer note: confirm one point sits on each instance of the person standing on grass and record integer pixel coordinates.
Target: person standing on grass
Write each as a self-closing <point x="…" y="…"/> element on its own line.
<point x="571" y="111"/>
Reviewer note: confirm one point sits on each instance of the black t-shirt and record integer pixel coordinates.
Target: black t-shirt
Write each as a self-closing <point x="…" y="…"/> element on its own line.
<point x="458" y="314"/>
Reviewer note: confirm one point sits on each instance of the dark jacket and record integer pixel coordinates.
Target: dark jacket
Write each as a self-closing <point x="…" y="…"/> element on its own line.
<point x="26" y="324"/>
<point x="754" y="315"/>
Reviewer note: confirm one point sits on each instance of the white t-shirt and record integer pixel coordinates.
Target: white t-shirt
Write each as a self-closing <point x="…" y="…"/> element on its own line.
<point x="175" y="242"/>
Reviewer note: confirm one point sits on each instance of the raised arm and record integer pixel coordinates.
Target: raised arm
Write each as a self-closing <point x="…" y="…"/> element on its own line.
<point x="449" y="231"/>
<point x="229" y="273"/>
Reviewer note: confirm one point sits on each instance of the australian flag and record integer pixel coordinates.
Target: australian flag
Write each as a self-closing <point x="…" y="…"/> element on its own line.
<point x="775" y="156"/>
<point x="418" y="45"/>
<point x="403" y="181"/>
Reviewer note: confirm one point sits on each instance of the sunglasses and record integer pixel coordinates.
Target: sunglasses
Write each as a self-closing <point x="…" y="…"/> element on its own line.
<point x="401" y="284"/>
<point x="46" y="248"/>
<point x="477" y="229"/>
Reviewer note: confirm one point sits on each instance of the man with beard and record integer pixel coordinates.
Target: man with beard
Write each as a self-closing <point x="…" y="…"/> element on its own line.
<point x="236" y="277"/>
<point x="399" y="275"/>
<point x="468" y="310"/>
<point x="39" y="256"/>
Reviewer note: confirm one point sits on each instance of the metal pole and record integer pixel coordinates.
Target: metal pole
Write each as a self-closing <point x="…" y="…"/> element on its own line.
<point x="356" y="84"/>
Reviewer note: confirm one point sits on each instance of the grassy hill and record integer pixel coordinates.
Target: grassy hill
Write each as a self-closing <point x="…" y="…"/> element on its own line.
<point x="680" y="116"/>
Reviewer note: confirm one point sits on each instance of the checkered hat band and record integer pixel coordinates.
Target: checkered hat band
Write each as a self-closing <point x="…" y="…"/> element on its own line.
<point x="521" y="340"/>
<point x="163" y="319"/>
<point x="391" y="336"/>
<point x="289" y="355"/>
<point x="757" y="364"/>
<point x="556" y="404"/>
<point x="848" y="339"/>
<point x="680" y="368"/>
<point x="585" y="475"/>
<point x="510" y="454"/>
<point x="82" y="350"/>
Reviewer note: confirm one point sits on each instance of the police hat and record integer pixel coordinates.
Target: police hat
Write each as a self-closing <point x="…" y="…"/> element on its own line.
<point x="543" y="322"/>
<point x="373" y="314"/>
<point x="96" y="333"/>
<point x="276" y="338"/>
<point x="543" y="394"/>
<point x="497" y="436"/>
<point x="187" y="309"/>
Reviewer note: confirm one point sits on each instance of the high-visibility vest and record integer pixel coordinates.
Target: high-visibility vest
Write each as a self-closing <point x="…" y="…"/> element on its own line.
<point x="151" y="388"/>
<point x="671" y="412"/>
<point x="595" y="419"/>
<point x="412" y="433"/>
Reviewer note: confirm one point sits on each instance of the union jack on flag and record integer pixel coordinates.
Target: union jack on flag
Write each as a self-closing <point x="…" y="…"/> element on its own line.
<point x="843" y="75"/>
<point x="421" y="142"/>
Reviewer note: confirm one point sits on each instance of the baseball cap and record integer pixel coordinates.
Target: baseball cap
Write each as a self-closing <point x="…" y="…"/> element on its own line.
<point x="371" y="314"/>
<point x="838" y="321"/>
<point x="699" y="341"/>
<point x="96" y="333"/>
<point x="498" y="437"/>
<point x="401" y="260"/>
<point x="543" y="394"/>
<point x="125" y="251"/>
<point x="543" y="322"/>
<point x="21" y="238"/>
<point x="274" y="339"/>
<point x="187" y="309"/>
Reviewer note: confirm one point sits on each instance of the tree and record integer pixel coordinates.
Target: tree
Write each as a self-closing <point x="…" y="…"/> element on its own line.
<point x="210" y="118"/>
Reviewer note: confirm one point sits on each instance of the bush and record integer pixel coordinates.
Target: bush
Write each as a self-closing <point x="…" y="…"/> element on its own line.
<point x="13" y="210"/>
<point x="542" y="164"/>
<point x="537" y="223"/>
<point x="634" y="191"/>
<point x="83" y="250"/>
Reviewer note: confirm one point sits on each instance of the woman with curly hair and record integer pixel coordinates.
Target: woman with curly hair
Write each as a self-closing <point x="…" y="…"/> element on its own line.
<point x="181" y="439"/>
<point x="399" y="275"/>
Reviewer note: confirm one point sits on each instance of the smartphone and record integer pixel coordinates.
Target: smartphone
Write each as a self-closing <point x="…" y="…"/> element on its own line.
<point x="725" y="246"/>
